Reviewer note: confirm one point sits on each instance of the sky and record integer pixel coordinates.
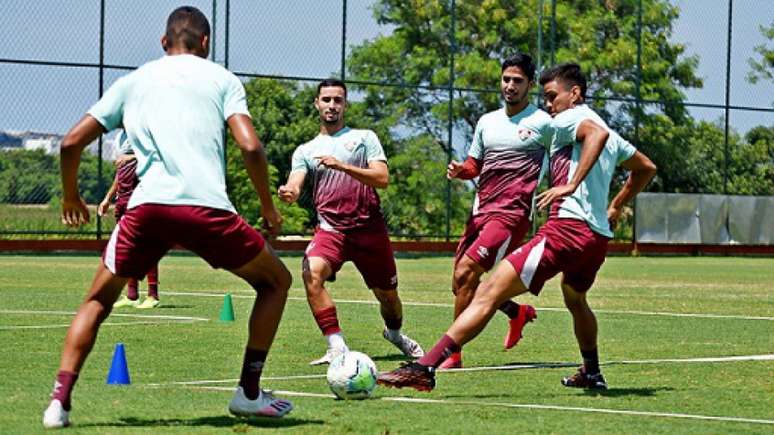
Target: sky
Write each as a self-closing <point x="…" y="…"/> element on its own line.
<point x="292" y="38"/>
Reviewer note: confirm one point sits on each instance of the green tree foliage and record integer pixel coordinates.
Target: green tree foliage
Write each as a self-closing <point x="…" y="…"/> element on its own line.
<point x="763" y="67"/>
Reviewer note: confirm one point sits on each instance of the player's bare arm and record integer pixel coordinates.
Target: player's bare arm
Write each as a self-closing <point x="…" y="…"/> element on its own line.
<point x="375" y="175"/>
<point x="467" y="170"/>
<point x="593" y="137"/>
<point x="642" y="171"/>
<point x="257" y="168"/>
<point x="290" y="191"/>
<point x="104" y="206"/>
<point x="74" y="210"/>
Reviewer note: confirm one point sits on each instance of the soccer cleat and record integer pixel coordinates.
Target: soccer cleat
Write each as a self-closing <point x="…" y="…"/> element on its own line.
<point x="149" y="302"/>
<point x="527" y="313"/>
<point x="266" y="405"/>
<point x="329" y="356"/>
<point x="55" y="415"/>
<point x="409" y="347"/>
<point x="581" y="379"/>
<point x="412" y="375"/>
<point x="126" y="302"/>
<point x="454" y="361"/>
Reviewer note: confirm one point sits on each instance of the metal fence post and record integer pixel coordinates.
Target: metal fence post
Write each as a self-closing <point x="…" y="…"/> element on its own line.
<point x="539" y="66"/>
<point x="101" y="91"/>
<point x="553" y="32"/>
<point x="453" y="49"/>
<point x="728" y="98"/>
<point x="344" y="40"/>
<point x="213" y="42"/>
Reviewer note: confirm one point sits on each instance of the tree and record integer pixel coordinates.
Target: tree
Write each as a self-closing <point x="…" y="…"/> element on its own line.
<point x="763" y="68"/>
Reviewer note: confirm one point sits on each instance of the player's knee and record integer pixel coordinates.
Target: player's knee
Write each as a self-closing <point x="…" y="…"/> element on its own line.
<point x="389" y="297"/>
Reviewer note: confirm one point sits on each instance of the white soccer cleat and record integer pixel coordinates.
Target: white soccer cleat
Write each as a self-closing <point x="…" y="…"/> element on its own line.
<point x="55" y="416"/>
<point x="329" y="356"/>
<point x="266" y="405"/>
<point x="409" y="347"/>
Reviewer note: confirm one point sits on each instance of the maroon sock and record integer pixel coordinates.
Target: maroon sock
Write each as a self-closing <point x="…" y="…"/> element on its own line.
<point x="327" y="321"/>
<point x="153" y="282"/>
<point x="510" y="308"/>
<point x="131" y="289"/>
<point x="445" y="347"/>
<point x="63" y="387"/>
<point x="394" y="323"/>
<point x="252" y="366"/>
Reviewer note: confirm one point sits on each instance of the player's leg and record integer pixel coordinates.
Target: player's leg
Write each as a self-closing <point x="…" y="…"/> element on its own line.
<point x="152" y="300"/>
<point x="79" y="341"/>
<point x="315" y="272"/>
<point x="132" y="297"/>
<point x="391" y="309"/>
<point x="467" y="277"/>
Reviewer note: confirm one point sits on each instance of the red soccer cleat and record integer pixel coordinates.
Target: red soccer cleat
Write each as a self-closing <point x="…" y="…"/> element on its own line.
<point x="527" y="313"/>
<point x="454" y="361"/>
<point x="412" y="375"/>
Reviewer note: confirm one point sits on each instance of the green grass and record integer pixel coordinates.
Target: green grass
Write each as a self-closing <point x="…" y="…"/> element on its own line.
<point x="467" y="402"/>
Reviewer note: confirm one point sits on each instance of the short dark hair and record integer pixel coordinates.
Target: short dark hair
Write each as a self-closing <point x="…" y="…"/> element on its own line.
<point x="186" y="26"/>
<point x="568" y="73"/>
<point x="336" y="83"/>
<point x="523" y="61"/>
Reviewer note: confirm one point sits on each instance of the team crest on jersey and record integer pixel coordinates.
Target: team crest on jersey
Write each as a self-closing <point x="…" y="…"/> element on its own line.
<point x="350" y="145"/>
<point x="525" y="133"/>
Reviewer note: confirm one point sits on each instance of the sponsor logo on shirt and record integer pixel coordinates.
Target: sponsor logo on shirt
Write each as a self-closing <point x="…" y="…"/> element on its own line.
<point x="350" y="145"/>
<point x="525" y="133"/>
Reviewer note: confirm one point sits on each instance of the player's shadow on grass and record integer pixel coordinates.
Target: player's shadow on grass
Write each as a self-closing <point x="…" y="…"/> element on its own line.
<point x="620" y="392"/>
<point x="166" y="307"/>
<point x="212" y="421"/>
<point x="391" y="357"/>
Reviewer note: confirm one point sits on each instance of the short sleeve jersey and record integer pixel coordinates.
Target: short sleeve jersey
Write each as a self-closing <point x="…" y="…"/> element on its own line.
<point x="589" y="201"/>
<point x="342" y="202"/>
<point x="173" y="110"/>
<point x="512" y="150"/>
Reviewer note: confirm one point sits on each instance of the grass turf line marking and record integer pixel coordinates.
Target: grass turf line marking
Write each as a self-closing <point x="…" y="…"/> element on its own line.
<point x="17" y="327"/>
<point x="139" y="316"/>
<point x="527" y="406"/>
<point x="440" y="305"/>
<point x="496" y="368"/>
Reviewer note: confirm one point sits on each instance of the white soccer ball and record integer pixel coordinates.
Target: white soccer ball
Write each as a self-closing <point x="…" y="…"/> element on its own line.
<point x="352" y="375"/>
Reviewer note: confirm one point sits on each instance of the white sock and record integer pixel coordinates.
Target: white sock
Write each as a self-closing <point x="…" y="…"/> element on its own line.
<point x="392" y="334"/>
<point x="336" y="341"/>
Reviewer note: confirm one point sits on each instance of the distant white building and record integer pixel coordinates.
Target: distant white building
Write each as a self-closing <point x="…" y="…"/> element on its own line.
<point x="49" y="143"/>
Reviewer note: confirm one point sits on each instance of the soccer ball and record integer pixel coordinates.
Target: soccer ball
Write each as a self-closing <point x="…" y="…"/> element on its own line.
<point x="352" y="375"/>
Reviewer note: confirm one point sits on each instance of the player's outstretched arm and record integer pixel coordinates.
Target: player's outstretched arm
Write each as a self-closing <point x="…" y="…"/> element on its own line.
<point x="290" y="191"/>
<point x="642" y="171"/>
<point x="74" y="210"/>
<point x="257" y="167"/>
<point x="593" y="138"/>
<point x="467" y="170"/>
<point x="375" y="175"/>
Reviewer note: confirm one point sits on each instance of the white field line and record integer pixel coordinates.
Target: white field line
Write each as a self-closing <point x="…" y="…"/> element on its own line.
<point x="497" y="368"/>
<point x="441" y="305"/>
<point x="528" y="406"/>
<point x="16" y="327"/>
<point x="138" y="316"/>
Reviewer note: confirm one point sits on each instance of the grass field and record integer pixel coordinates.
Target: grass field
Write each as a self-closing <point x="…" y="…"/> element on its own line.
<point x="183" y="370"/>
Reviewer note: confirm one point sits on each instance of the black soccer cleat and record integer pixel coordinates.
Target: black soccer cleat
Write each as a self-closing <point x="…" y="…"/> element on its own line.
<point x="581" y="379"/>
<point x="412" y="375"/>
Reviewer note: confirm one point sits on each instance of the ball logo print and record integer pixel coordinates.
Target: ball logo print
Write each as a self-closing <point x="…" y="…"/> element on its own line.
<point x="352" y="375"/>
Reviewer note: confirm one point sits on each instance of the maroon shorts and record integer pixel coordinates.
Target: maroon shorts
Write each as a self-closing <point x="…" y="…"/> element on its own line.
<point x="486" y="241"/>
<point x="368" y="248"/>
<point x="561" y="245"/>
<point x="148" y="231"/>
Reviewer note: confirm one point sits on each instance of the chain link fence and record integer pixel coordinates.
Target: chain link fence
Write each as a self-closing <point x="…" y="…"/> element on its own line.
<point x="687" y="81"/>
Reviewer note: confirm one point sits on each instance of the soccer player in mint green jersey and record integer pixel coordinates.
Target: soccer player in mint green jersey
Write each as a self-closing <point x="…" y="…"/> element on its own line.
<point x="507" y="154"/>
<point x="346" y="167"/>
<point x="175" y="111"/>
<point x="584" y="155"/>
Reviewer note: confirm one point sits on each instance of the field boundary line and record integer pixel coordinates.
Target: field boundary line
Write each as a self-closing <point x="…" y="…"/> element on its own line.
<point x="18" y="327"/>
<point x="527" y="406"/>
<point x="444" y="305"/>
<point x="139" y="316"/>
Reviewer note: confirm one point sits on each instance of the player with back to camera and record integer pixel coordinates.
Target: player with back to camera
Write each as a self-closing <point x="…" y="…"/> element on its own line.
<point x="123" y="185"/>
<point x="573" y="241"/>
<point x="507" y="154"/>
<point x="347" y="166"/>
<point x="175" y="110"/>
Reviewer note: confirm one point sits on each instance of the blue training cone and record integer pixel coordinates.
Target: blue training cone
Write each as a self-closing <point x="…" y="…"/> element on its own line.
<point x="119" y="371"/>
